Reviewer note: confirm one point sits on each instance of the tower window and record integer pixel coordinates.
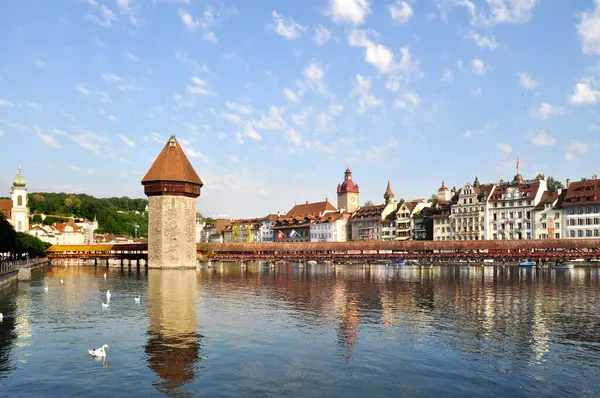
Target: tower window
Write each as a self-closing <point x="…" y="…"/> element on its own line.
<point x="20" y="200"/>
<point x="19" y="225"/>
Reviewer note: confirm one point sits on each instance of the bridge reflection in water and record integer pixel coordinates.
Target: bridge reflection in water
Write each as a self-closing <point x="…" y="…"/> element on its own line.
<point x="173" y="346"/>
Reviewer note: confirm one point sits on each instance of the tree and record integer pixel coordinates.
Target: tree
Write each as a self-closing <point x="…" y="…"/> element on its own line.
<point x="433" y="200"/>
<point x="368" y="203"/>
<point x="8" y="236"/>
<point x="554" y="185"/>
<point x="30" y="244"/>
<point x="73" y="203"/>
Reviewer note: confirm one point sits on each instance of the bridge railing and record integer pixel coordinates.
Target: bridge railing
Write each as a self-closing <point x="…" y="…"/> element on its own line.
<point x="10" y="265"/>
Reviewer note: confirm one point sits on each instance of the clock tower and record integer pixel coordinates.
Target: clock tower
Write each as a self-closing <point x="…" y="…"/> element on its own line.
<point x="347" y="193"/>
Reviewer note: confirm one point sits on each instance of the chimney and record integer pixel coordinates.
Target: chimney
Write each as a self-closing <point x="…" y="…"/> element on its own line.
<point x="568" y="183"/>
<point x="307" y="202"/>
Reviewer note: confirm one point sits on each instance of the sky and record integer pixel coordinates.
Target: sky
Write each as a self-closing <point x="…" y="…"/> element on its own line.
<point x="272" y="100"/>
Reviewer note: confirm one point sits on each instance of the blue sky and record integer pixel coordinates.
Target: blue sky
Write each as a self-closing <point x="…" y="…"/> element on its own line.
<point x="272" y="99"/>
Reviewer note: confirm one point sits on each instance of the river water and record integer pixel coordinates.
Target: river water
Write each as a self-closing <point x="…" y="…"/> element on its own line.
<point x="303" y="332"/>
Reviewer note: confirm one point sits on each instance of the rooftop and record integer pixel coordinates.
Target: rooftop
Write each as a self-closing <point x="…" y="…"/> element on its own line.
<point x="172" y="165"/>
<point x="317" y="208"/>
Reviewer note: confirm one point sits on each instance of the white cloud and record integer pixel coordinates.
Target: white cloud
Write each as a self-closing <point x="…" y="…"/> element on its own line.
<point x="101" y="15"/>
<point x="506" y="148"/>
<point x="239" y="108"/>
<point x="402" y="12"/>
<point x="193" y="154"/>
<point x="498" y="12"/>
<point x="569" y="156"/>
<point x="576" y="146"/>
<point x="111" y="77"/>
<point x="128" y="8"/>
<point x="322" y="35"/>
<point x="313" y="79"/>
<point x="90" y="141"/>
<point x="251" y="133"/>
<point x="221" y="136"/>
<point x="467" y="134"/>
<point x="447" y="76"/>
<point x="39" y="63"/>
<point x="526" y="81"/>
<point x="407" y="101"/>
<point x="127" y="141"/>
<point x="541" y="138"/>
<point x="232" y="117"/>
<point x="32" y="105"/>
<point x="238" y="138"/>
<point x="352" y="12"/>
<point x="403" y="71"/>
<point x="593" y="126"/>
<point x="485" y="42"/>
<point x="324" y="123"/>
<point x="234" y="158"/>
<point x="210" y="36"/>
<point x="584" y="93"/>
<point x="132" y="57"/>
<point x="291" y="95"/>
<point x="300" y="118"/>
<point x="546" y="110"/>
<point x="83" y="90"/>
<point x="336" y="109"/>
<point x="112" y="118"/>
<point x="376" y="54"/>
<point x="361" y="91"/>
<point x="286" y="28"/>
<point x="199" y="87"/>
<point x="588" y="30"/>
<point x="48" y="139"/>
<point x="477" y="66"/>
<point x="4" y="102"/>
<point x="293" y="136"/>
<point x="1" y="133"/>
<point x="272" y="120"/>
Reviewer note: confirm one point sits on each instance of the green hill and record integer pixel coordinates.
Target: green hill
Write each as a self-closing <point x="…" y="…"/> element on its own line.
<point x="114" y="215"/>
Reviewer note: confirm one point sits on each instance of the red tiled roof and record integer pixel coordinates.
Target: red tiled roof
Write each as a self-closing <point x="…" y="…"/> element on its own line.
<point x="61" y="227"/>
<point x="317" y="208"/>
<point x="547" y="197"/>
<point x="369" y="211"/>
<point x="172" y="165"/>
<point x="6" y="207"/>
<point x="528" y="187"/>
<point x="220" y="224"/>
<point x="348" y="185"/>
<point x="582" y="193"/>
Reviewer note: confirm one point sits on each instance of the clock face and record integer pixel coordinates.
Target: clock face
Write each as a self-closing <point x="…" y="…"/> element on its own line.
<point x="352" y="199"/>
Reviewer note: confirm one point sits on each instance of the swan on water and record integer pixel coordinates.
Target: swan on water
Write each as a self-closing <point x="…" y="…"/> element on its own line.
<point x="46" y="288"/>
<point x="137" y="299"/>
<point x="61" y="281"/>
<point x="1" y="317"/>
<point x="104" y="305"/>
<point x="98" y="352"/>
<point x="108" y="295"/>
<point x="105" y="275"/>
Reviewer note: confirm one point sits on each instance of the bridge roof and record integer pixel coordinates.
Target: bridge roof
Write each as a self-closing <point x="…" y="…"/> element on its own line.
<point x="102" y="248"/>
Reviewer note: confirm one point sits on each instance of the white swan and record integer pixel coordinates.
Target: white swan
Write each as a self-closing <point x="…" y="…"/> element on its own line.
<point x="98" y="352"/>
<point x="104" y="305"/>
<point x="108" y="295"/>
<point x="61" y="281"/>
<point x="137" y="299"/>
<point x="1" y="317"/>
<point x="105" y="275"/>
<point x="46" y="288"/>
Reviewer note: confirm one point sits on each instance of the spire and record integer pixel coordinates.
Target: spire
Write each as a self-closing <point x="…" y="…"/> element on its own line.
<point x="19" y="180"/>
<point x="388" y="195"/>
<point x="476" y="183"/>
<point x="172" y="165"/>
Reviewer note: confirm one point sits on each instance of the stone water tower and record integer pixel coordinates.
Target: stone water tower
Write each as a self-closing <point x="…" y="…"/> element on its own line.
<point x="172" y="187"/>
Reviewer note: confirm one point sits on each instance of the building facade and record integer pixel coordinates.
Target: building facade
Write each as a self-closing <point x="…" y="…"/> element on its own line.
<point x="331" y="227"/>
<point x="467" y="219"/>
<point x="369" y="222"/>
<point x="405" y="218"/>
<point x="581" y="209"/>
<point x="548" y="216"/>
<point x="512" y="205"/>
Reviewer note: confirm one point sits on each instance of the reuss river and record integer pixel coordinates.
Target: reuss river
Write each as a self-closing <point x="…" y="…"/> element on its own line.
<point x="303" y="332"/>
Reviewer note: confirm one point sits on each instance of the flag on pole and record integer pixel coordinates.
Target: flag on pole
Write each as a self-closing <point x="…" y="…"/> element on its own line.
<point x="517" y="163"/>
<point x="293" y="234"/>
<point x="280" y="235"/>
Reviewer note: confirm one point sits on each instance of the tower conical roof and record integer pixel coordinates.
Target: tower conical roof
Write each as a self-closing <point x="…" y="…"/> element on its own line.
<point x="388" y="192"/>
<point x="172" y="165"/>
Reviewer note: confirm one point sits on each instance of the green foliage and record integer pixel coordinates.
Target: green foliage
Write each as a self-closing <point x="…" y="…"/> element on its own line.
<point x="114" y="215"/>
<point x="8" y="236"/>
<point x="433" y="200"/>
<point x="30" y="244"/>
<point x="554" y="185"/>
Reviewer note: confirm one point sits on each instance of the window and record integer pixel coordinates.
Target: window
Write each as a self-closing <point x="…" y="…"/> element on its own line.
<point x="580" y="221"/>
<point x="588" y="233"/>
<point x="495" y="217"/>
<point x="557" y="215"/>
<point x="528" y="214"/>
<point x="596" y="233"/>
<point x="495" y="236"/>
<point x="20" y="200"/>
<point x="495" y="204"/>
<point x="520" y="214"/>
<point x="580" y="233"/>
<point x="528" y="225"/>
<point x="544" y="225"/>
<point x="19" y="224"/>
<point x="520" y="203"/>
<point x="588" y="221"/>
<point x="596" y="220"/>
<point x="557" y="235"/>
<point x="556" y="225"/>
<point x="571" y="234"/>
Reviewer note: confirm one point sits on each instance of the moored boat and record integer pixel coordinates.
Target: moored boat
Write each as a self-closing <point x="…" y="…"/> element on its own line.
<point x="398" y="262"/>
<point x="563" y="265"/>
<point x="527" y="264"/>
<point x="312" y="262"/>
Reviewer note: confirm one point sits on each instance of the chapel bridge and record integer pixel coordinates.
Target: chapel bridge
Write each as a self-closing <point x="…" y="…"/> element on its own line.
<point x="430" y="251"/>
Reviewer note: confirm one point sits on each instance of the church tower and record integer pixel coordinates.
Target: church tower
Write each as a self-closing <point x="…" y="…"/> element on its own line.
<point x="444" y="193"/>
<point x="20" y="212"/>
<point x="388" y="196"/>
<point x="172" y="187"/>
<point x="347" y="193"/>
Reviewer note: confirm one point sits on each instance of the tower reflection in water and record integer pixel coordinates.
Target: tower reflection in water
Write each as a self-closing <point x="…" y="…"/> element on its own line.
<point x="173" y="347"/>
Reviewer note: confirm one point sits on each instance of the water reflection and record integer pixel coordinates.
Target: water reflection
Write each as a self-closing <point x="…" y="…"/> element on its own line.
<point x="173" y="346"/>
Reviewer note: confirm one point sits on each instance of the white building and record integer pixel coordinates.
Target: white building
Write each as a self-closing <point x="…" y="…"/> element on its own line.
<point x="467" y="219"/>
<point x="331" y="227"/>
<point x="20" y="211"/>
<point x="548" y="216"/>
<point x="88" y="228"/>
<point x="404" y="218"/>
<point x="266" y="228"/>
<point x="512" y="206"/>
<point x="581" y="209"/>
<point x="199" y="230"/>
<point x="370" y="222"/>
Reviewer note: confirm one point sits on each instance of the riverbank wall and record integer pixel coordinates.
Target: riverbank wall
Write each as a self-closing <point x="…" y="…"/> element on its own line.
<point x="10" y="273"/>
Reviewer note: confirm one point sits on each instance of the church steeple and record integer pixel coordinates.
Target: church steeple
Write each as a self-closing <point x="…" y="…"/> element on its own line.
<point x="388" y="195"/>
